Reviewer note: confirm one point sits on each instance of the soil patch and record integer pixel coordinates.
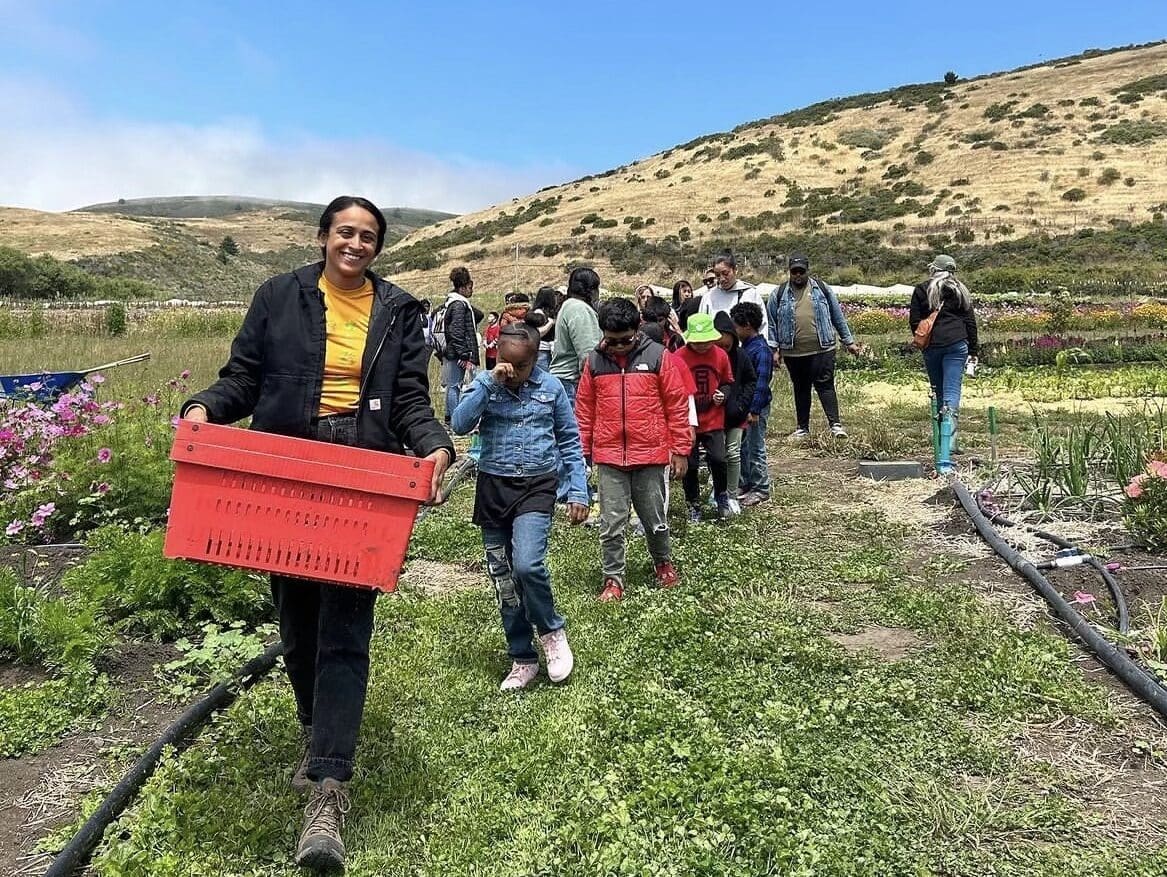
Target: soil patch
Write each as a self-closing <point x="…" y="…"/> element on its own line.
<point x="43" y="565"/>
<point x="42" y="791"/>
<point x="430" y="578"/>
<point x="889" y="643"/>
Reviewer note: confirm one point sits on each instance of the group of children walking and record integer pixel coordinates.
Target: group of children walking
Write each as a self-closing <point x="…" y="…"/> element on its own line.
<point x="641" y="414"/>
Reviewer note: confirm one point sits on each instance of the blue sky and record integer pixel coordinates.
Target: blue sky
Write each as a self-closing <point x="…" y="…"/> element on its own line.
<point x="456" y="105"/>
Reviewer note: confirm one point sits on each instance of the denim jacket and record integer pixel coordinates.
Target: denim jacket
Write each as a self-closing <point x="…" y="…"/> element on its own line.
<point x="828" y="317"/>
<point x="524" y="432"/>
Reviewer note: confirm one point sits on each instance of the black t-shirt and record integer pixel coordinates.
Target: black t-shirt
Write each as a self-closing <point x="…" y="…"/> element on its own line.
<point x="499" y="499"/>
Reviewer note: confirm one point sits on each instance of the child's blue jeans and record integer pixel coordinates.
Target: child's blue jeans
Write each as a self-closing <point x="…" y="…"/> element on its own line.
<point x="516" y="561"/>
<point x="755" y="472"/>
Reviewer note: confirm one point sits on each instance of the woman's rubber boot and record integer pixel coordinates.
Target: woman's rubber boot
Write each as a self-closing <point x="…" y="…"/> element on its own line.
<point x="947" y="434"/>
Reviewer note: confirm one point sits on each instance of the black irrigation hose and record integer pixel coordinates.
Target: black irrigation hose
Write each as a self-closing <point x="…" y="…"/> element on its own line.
<point x="461" y="469"/>
<point x="1136" y="678"/>
<point x="1116" y="594"/>
<point x="76" y="854"/>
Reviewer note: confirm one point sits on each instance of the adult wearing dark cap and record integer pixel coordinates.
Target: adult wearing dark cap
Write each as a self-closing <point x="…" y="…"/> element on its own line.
<point x="952" y="345"/>
<point x="805" y="325"/>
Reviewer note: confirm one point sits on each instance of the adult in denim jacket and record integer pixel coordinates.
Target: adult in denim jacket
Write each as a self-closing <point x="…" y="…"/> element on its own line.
<point x="805" y="323"/>
<point x="527" y="428"/>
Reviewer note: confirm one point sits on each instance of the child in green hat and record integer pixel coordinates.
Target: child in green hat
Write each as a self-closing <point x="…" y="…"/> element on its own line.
<point x="713" y="375"/>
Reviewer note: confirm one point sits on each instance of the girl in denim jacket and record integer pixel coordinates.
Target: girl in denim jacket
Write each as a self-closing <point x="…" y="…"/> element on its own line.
<point x="526" y="424"/>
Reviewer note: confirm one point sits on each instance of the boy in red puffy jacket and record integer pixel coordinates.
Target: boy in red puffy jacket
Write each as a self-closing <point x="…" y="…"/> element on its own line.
<point x="633" y="413"/>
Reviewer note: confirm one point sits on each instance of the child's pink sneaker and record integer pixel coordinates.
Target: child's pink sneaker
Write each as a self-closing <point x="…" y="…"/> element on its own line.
<point x="558" y="654"/>
<point x="611" y="592"/>
<point x="520" y="677"/>
<point x="667" y="575"/>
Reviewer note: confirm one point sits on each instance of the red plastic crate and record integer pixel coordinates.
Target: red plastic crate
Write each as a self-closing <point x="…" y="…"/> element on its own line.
<point x="309" y="509"/>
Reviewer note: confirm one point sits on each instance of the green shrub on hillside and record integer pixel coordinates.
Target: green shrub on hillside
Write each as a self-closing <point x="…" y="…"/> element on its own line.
<point x="1130" y="132"/>
<point x="1074" y="195"/>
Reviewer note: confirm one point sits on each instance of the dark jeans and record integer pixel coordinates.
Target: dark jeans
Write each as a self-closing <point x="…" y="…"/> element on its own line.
<point x="818" y="371"/>
<point x="326" y="629"/>
<point x="714" y="445"/>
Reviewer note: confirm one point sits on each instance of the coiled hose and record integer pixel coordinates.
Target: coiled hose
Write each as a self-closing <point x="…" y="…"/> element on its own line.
<point x="1142" y="683"/>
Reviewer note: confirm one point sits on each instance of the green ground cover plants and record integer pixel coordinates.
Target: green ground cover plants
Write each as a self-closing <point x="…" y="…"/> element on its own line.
<point x="715" y="729"/>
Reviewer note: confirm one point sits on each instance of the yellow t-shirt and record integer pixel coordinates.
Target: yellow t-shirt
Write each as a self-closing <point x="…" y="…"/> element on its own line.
<point x="346" y="317"/>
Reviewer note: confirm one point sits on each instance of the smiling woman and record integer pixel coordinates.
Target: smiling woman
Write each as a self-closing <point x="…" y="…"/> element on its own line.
<point x="334" y="353"/>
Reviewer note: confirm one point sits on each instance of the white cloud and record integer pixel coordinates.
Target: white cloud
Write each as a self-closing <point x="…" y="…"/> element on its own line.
<point x="58" y="156"/>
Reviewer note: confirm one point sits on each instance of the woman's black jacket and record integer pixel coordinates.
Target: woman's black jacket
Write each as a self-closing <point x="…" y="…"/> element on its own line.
<point x="276" y="367"/>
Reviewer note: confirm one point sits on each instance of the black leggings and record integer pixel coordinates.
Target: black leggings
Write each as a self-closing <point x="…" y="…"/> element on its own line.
<point x="818" y="371"/>
<point x="714" y="444"/>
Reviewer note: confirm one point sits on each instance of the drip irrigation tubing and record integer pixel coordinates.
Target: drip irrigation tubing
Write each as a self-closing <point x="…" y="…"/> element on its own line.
<point x="1142" y="683"/>
<point x="1116" y="594"/>
<point x="461" y="469"/>
<point x="77" y="852"/>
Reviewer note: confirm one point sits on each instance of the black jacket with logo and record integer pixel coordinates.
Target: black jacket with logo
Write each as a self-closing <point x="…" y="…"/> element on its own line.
<point x="276" y="367"/>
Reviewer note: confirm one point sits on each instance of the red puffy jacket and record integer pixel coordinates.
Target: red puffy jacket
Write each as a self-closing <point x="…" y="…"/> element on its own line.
<point x="636" y="414"/>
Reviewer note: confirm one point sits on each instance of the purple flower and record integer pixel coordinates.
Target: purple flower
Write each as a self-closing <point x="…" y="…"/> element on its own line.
<point x="185" y="374"/>
<point x="101" y="420"/>
<point x="97" y="379"/>
<point x="151" y="400"/>
<point x="102" y="488"/>
<point x="39" y="516"/>
<point x="13" y="528"/>
<point x="104" y="455"/>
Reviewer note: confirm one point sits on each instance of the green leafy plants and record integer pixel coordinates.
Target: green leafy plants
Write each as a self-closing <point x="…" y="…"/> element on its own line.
<point x="213" y="657"/>
<point x="1074" y="195"/>
<point x="1145" y="504"/>
<point x="137" y="590"/>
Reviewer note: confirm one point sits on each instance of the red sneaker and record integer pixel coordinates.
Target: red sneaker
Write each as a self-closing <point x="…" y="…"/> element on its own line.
<point x="612" y="592"/>
<point x="667" y="575"/>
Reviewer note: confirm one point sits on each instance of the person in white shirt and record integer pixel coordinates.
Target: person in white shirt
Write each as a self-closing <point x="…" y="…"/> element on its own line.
<point x="729" y="290"/>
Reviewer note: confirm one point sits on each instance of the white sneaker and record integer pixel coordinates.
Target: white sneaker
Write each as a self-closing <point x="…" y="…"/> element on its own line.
<point x="837" y="430"/>
<point x="735" y="507"/>
<point x="520" y="677"/>
<point x="560" y="660"/>
<point x="799" y="434"/>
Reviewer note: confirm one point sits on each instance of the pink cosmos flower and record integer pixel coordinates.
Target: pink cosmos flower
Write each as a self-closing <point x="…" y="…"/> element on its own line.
<point x="185" y="374"/>
<point x="39" y="516"/>
<point x="1157" y="468"/>
<point x="13" y="528"/>
<point x="1135" y="489"/>
<point x="104" y="455"/>
<point x="96" y="379"/>
<point x="102" y="488"/>
<point x="101" y="419"/>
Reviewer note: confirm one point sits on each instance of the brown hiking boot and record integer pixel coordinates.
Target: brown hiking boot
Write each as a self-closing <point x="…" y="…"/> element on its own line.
<point x="300" y="781"/>
<point x="321" y="847"/>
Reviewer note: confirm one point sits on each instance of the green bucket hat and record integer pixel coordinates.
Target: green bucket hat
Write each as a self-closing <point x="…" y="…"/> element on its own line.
<point x="701" y="328"/>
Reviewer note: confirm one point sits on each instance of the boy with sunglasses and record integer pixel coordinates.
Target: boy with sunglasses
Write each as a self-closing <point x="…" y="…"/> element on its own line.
<point x="633" y="412"/>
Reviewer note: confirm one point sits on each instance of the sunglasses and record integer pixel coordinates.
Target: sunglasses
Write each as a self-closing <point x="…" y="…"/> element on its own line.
<point x="626" y="341"/>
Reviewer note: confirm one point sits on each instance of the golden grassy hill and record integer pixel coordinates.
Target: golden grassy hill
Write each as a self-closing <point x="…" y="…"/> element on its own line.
<point x="163" y="242"/>
<point x="1049" y="149"/>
